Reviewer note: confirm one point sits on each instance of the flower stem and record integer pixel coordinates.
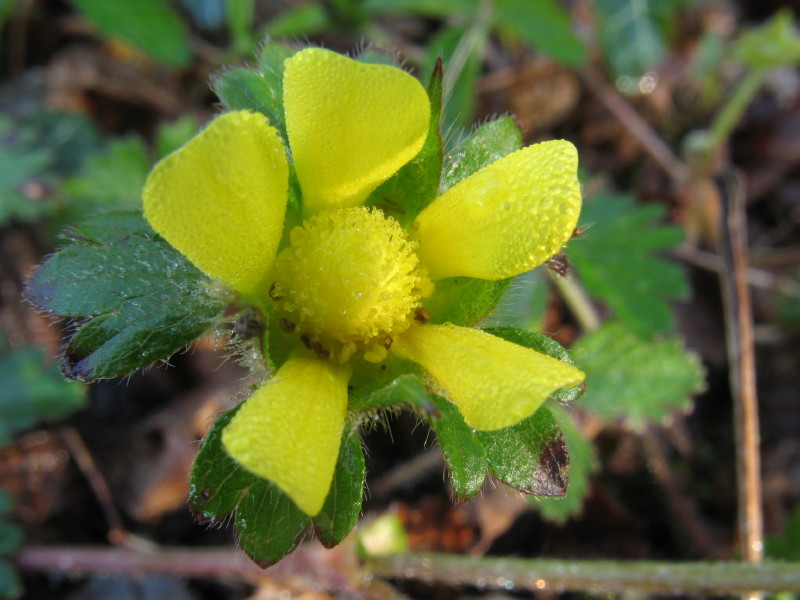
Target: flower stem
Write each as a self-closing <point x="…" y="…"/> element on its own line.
<point x="488" y="573"/>
<point x="731" y="113"/>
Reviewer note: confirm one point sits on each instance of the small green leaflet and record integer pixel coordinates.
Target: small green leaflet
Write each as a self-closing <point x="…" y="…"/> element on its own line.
<point x="634" y="380"/>
<point x="616" y="259"/>
<point x="545" y="26"/>
<point x="149" y="25"/>
<point x="631" y="40"/>
<point x="135" y="298"/>
<point x="268" y="523"/>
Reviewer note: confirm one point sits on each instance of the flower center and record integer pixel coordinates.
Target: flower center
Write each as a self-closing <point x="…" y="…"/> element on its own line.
<point x="349" y="280"/>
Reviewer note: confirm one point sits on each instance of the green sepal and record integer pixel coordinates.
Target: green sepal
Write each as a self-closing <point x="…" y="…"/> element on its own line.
<point x="268" y="524"/>
<point x="464" y="300"/>
<point x="582" y="463"/>
<point x="136" y="297"/>
<point x="531" y="456"/>
<point x="10" y="582"/>
<point x="545" y="345"/>
<point x="342" y="507"/>
<point x="244" y="89"/>
<point x="489" y="143"/>
<point x="462" y="449"/>
<point x="394" y="381"/>
<point x="271" y="66"/>
<point x="417" y="183"/>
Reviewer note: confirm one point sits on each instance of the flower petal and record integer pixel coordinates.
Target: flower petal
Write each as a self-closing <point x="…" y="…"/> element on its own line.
<point x="290" y="429"/>
<point x="221" y="198"/>
<point x="494" y="383"/>
<point x="350" y="125"/>
<point x="505" y="219"/>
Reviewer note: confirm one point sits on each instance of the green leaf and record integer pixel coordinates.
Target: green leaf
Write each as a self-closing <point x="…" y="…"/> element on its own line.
<point x="786" y="547"/>
<point x="32" y="391"/>
<point x="582" y="463"/>
<point x="464" y="300"/>
<point x="629" y="37"/>
<point x="10" y="583"/>
<point x="635" y="380"/>
<point x="531" y="456"/>
<point x="343" y="505"/>
<point x="268" y="523"/>
<point x="173" y="135"/>
<point x="140" y="298"/>
<point x="303" y="20"/>
<point x="110" y="179"/>
<point x="489" y="143"/>
<point x="6" y="502"/>
<point x="11" y="538"/>
<point x="615" y="259"/>
<point x="149" y="25"/>
<point x="431" y="8"/>
<point x="462" y="449"/>
<point x="416" y="184"/>
<point x="544" y="26"/>
<point x="20" y="162"/>
<point x="545" y="345"/>
<point x="772" y="44"/>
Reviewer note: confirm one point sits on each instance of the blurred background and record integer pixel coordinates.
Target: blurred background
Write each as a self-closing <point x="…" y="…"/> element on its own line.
<point x="659" y="98"/>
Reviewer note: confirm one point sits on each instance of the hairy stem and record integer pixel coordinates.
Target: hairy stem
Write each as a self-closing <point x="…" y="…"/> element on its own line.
<point x="516" y="574"/>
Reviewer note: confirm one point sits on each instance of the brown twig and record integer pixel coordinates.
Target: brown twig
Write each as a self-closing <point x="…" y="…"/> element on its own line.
<point x="637" y="127"/>
<point x="117" y="534"/>
<point x="316" y="567"/>
<point x="741" y="356"/>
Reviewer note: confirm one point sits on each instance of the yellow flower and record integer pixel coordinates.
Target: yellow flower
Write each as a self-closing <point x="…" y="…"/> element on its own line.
<point x="349" y="284"/>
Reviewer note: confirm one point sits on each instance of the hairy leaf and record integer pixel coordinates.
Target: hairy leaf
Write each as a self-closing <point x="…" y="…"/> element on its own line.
<point x="635" y="380"/>
<point x="136" y="297"/>
<point x="617" y="261"/>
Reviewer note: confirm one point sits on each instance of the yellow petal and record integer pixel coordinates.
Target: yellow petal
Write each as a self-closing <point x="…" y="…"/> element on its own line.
<point x="290" y="429"/>
<point x="350" y="125"/>
<point x="494" y="383"/>
<point x="505" y="219"/>
<point x="221" y="198"/>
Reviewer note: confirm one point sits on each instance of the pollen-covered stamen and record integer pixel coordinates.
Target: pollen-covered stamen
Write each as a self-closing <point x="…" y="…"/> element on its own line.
<point x="350" y="280"/>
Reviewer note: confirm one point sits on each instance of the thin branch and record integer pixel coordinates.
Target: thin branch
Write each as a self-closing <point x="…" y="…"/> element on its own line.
<point x="741" y="357"/>
<point x="638" y="128"/>
<point x="117" y="534"/>
<point x="333" y="571"/>
<point x="599" y="577"/>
